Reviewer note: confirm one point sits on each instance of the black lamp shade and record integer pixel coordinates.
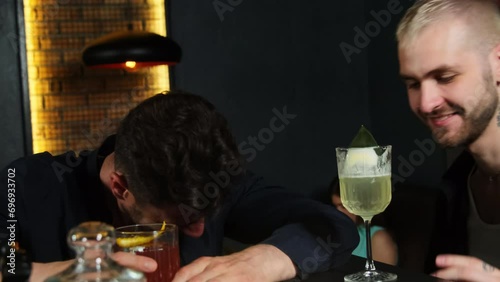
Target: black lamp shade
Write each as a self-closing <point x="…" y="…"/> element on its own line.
<point x="140" y="48"/>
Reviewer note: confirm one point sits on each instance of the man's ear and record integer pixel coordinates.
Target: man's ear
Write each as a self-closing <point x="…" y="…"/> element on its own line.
<point x="496" y="64"/>
<point x="119" y="186"/>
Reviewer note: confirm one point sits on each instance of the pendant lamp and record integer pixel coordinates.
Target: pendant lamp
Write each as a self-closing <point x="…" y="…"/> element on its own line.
<point x="131" y="49"/>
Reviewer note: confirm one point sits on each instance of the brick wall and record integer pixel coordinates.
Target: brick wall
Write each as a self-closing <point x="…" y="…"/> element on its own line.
<point x="72" y="107"/>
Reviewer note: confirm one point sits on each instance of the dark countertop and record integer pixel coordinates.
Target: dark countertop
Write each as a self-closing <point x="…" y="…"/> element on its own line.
<point x="356" y="264"/>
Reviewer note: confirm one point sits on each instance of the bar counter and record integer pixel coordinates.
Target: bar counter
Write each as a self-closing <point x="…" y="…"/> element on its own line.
<point x="356" y="264"/>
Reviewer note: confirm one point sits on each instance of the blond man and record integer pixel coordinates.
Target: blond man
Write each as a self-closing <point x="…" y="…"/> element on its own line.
<point x="449" y="53"/>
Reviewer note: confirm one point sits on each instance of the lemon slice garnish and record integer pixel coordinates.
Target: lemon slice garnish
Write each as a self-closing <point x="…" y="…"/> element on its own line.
<point x="138" y="240"/>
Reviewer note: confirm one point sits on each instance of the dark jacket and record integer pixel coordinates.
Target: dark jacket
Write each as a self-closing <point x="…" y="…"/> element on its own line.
<point x="455" y="187"/>
<point x="55" y="193"/>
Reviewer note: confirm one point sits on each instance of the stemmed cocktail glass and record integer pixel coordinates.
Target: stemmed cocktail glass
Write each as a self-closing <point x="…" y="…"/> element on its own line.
<point x="365" y="190"/>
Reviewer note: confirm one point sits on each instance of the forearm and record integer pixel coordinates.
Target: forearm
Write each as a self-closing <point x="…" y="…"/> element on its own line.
<point x="314" y="236"/>
<point x="278" y="266"/>
<point x="313" y="251"/>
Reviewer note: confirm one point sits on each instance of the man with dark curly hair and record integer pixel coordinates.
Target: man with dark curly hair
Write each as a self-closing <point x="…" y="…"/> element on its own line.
<point x="175" y="159"/>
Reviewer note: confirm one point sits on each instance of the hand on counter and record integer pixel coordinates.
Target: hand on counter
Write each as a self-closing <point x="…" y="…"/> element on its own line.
<point x="257" y="263"/>
<point x="465" y="268"/>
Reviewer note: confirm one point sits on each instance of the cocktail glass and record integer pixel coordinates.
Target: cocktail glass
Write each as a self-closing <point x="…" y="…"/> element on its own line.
<point x="157" y="241"/>
<point x="365" y="190"/>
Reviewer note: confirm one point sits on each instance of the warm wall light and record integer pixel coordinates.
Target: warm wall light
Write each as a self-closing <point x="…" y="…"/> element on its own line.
<point x="130" y="64"/>
<point x="72" y="108"/>
<point x="131" y="49"/>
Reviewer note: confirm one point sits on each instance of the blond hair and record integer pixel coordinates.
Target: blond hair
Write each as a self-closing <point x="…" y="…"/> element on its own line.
<point x="482" y="18"/>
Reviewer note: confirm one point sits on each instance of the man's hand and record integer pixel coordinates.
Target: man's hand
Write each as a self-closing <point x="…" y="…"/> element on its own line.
<point x="261" y="263"/>
<point x="465" y="268"/>
<point x="42" y="271"/>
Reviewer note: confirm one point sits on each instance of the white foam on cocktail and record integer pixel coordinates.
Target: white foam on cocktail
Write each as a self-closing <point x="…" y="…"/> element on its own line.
<point x="361" y="162"/>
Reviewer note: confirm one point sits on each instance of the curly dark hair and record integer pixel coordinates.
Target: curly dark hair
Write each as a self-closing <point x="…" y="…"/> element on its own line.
<point x="170" y="147"/>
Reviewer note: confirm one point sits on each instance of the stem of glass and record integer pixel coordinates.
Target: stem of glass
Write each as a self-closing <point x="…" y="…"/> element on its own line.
<point x="369" y="265"/>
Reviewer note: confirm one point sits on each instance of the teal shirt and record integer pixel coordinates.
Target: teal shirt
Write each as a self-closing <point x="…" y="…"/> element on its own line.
<point x="360" y="250"/>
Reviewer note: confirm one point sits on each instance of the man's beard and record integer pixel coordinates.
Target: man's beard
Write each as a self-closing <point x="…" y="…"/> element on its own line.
<point x="475" y="120"/>
<point x="135" y="214"/>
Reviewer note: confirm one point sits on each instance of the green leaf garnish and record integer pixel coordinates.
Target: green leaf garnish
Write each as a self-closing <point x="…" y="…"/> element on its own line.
<point x="363" y="139"/>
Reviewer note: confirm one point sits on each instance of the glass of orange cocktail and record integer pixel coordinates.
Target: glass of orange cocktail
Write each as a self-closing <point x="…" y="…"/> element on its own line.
<point x="157" y="241"/>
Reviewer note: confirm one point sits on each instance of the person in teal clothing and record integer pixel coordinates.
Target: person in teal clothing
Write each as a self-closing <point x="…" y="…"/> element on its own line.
<point x="384" y="249"/>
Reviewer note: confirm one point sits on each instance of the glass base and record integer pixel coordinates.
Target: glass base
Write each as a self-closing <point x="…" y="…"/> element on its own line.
<point x="371" y="276"/>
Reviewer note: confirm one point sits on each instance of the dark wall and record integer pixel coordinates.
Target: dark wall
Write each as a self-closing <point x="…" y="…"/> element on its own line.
<point x="265" y="55"/>
<point x="249" y="57"/>
<point x="11" y="112"/>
